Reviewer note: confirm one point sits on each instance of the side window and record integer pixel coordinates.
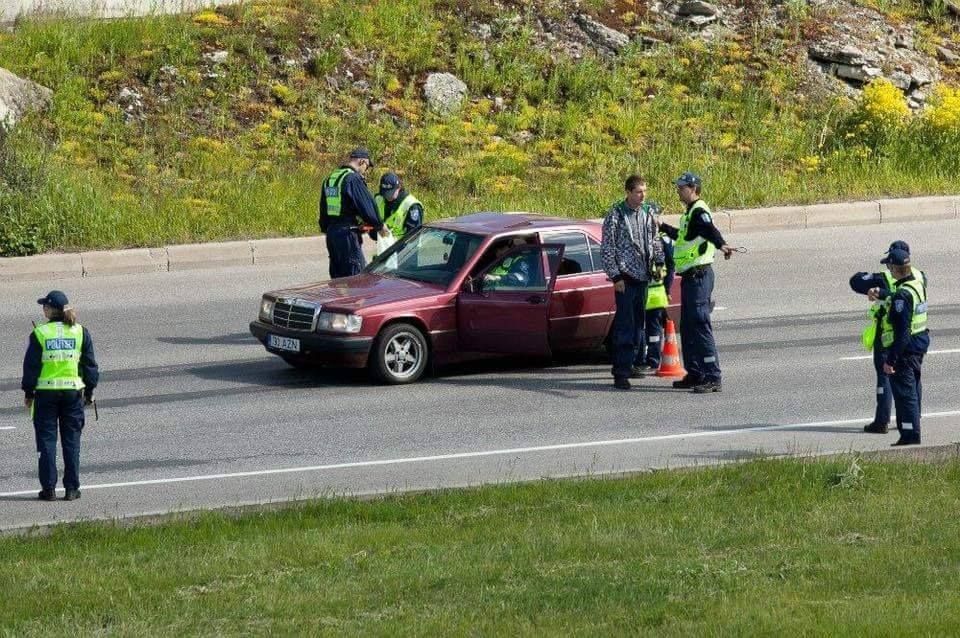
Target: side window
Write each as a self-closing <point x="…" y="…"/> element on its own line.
<point x="576" y="252"/>
<point x="520" y="270"/>
<point x="597" y="255"/>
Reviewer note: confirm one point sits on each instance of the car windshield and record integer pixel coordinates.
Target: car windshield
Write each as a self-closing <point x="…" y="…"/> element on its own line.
<point x="432" y="255"/>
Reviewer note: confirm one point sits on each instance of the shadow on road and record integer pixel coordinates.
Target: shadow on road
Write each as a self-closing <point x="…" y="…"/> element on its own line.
<point x="232" y="339"/>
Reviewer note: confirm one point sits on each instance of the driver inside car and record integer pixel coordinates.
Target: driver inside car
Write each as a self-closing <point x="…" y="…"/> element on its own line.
<point x="517" y="271"/>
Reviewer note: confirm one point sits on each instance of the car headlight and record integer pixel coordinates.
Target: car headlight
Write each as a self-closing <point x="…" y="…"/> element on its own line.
<point x="336" y="322"/>
<point x="266" y="310"/>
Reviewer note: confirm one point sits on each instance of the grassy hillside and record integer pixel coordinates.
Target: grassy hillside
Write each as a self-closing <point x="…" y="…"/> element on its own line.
<point x="221" y="124"/>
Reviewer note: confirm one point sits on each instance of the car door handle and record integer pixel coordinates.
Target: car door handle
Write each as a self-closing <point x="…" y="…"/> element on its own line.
<point x="535" y="299"/>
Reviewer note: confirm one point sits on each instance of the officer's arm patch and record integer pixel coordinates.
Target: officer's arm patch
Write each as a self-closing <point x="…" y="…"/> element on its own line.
<point x="899" y="305"/>
<point x="866" y="275"/>
<point x="706" y="218"/>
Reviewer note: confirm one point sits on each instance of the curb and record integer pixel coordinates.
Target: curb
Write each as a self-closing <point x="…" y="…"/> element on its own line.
<point x="313" y="249"/>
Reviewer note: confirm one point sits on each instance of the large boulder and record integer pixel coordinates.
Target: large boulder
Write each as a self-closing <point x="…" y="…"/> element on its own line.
<point x="602" y="36"/>
<point x="19" y="97"/>
<point x="445" y="92"/>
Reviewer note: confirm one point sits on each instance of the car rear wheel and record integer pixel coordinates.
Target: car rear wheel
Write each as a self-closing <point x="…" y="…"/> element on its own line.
<point x="400" y="354"/>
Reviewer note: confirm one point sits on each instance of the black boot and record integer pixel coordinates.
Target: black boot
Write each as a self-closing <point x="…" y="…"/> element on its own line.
<point x="876" y="428"/>
<point x="47" y="495"/>
<point x="908" y="437"/>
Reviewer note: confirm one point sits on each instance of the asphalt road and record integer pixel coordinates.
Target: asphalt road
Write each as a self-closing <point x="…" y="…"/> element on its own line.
<point x="195" y="414"/>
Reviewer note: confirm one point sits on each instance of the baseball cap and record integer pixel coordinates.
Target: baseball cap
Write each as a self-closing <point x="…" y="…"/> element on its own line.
<point x="900" y="245"/>
<point x="389" y="183"/>
<point x="361" y="153"/>
<point x="897" y="257"/>
<point x="54" y="299"/>
<point x="688" y="179"/>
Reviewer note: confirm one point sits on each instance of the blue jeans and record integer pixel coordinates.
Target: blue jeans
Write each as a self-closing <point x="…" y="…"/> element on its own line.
<point x="346" y="255"/>
<point x="53" y="411"/>
<point x="884" y="392"/>
<point x="650" y="349"/>
<point x="628" y="326"/>
<point x="907" y="392"/>
<point x="696" y="333"/>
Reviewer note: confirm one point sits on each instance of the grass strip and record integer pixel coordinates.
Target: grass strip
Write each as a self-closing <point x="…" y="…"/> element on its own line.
<point x="836" y="547"/>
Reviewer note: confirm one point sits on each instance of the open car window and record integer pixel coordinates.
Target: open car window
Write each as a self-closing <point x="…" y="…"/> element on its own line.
<point x="431" y="255"/>
<point x="523" y="269"/>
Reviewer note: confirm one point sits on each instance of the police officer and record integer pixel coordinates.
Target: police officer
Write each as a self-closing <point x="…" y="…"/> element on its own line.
<point x="345" y="204"/>
<point x="658" y="298"/>
<point x="863" y="283"/>
<point x="59" y="376"/>
<point x="905" y="340"/>
<point x="693" y="251"/>
<point x="399" y="211"/>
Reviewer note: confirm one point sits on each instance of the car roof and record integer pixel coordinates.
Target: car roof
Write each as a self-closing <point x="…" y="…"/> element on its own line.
<point x="489" y="223"/>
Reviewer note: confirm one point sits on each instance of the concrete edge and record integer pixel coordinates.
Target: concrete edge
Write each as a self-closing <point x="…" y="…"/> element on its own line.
<point x="923" y="454"/>
<point x="292" y="250"/>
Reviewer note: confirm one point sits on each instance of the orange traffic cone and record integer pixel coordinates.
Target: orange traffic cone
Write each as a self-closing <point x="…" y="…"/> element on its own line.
<point x="670" y="365"/>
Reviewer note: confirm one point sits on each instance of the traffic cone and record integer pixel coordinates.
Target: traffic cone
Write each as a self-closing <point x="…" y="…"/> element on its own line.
<point x="670" y="365"/>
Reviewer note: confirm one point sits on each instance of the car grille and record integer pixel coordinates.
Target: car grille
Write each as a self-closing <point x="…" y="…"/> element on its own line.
<point x="295" y="316"/>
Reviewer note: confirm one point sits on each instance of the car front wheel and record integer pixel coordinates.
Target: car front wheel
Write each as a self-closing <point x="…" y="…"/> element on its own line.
<point x="400" y="354"/>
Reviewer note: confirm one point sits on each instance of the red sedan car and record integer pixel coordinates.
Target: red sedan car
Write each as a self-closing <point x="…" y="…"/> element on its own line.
<point x="487" y="283"/>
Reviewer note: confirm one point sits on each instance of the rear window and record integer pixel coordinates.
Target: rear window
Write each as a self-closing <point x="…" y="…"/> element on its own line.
<point x="597" y="254"/>
<point x="576" y="252"/>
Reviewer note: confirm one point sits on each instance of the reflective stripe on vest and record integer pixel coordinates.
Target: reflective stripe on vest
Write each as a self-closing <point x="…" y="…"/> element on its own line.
<point x="61" y="346"/>
<point x="398" y="220"/>
<point x="918" y="321"/>
<point x="333" y="191"/>
<point x="694" y="252"/>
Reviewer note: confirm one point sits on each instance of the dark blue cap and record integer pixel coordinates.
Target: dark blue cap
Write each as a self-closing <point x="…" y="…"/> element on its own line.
<point x="688" y="179"/>
<point x="897" y="257"/>
<point x="389" y="183"/>
<point x="899" y="245"/>
<point x="361" y="153"/>
<point x="55" y="299"/>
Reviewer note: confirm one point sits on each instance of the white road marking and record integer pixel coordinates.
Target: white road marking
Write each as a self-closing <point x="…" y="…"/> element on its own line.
<point x="870" y="356"/>
<point x="7" y="427"/>
<point x="473" y="455"/>
<point x="715" y="308"/>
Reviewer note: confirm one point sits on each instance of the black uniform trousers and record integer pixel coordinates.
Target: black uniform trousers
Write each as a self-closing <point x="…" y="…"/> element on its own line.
<point x="697" y="345"/>
<point x="908" y="393"/>
<point x="58" y="411"/>
<point x="346" y="254"/>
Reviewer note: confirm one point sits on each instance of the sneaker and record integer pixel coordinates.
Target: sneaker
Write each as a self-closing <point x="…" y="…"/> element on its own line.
<point x="707" y="387"/>
<point x="47" y="495"/>
<point x="71" y="495"/>
<point x="621" y="383"/>
<point x="876" y="428"/>
<point x="639" y="372"/>
<point x="686" y="383"/>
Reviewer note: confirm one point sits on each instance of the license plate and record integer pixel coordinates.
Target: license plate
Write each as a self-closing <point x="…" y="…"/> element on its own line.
<point x="283" y="343"/>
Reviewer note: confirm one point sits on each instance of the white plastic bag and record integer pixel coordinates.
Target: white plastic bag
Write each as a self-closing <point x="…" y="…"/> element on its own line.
<point x="383" y="243"/>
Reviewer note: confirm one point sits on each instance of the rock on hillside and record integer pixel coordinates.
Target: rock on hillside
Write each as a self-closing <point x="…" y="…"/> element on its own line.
<point x="19" y="97"/>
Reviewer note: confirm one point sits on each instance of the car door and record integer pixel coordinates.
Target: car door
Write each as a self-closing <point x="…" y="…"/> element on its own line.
<point x="509" y="316"/>
<point x="582" y="302"/>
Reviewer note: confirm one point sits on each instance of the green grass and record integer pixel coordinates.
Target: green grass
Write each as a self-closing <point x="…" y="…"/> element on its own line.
<point x="839" y="547"/>
<point x="239" y="150"/>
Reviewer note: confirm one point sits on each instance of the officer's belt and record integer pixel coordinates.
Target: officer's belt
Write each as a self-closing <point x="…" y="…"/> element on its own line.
<point x="695" y="270"/>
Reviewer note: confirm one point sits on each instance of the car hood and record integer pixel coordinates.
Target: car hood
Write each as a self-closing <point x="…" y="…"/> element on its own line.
<point x="358" y="292"/>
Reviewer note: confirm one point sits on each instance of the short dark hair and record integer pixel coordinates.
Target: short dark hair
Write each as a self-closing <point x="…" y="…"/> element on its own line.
<point x="632" y="182"/>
